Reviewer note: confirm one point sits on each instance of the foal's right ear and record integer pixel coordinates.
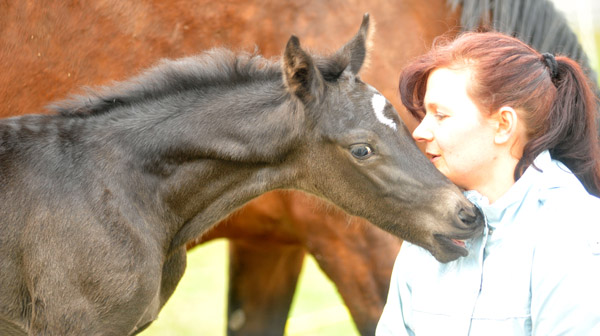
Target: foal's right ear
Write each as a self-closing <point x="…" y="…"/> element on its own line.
<point x="356" y="52"/>
<point x="300" y="75"/>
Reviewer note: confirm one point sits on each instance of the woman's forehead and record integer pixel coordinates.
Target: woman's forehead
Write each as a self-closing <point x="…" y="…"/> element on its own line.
<point x="446" y="86"/>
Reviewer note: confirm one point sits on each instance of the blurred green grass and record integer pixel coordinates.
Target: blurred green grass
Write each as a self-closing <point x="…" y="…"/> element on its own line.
<point x="198" y="306"/>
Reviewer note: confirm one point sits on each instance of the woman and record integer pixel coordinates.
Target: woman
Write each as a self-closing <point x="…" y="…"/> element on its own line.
<point x="517" y="130"/>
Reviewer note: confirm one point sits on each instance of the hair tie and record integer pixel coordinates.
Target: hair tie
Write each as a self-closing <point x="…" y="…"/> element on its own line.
<point x="551" y="63"/>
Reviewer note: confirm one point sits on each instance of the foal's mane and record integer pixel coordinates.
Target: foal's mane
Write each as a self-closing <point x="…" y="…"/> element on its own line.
<point x="216" y="67"/>
<point x="535" y="22"/>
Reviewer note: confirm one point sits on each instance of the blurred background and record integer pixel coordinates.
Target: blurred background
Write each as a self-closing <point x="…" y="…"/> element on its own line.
<point x="584" y="18"/>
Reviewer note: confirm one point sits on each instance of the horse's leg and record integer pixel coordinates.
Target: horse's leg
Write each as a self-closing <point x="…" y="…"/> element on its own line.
<point x="262" y="282"/>
<point x="365" y="284"/>
<point x="265" y="260"/>
<point x="357" y="256"/>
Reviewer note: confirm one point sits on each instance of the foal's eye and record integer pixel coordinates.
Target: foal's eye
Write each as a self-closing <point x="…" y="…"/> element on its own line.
<point x="361" y="151"/>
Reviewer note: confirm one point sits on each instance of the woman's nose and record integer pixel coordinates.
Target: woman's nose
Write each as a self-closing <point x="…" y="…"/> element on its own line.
<point x="423" y="132"/>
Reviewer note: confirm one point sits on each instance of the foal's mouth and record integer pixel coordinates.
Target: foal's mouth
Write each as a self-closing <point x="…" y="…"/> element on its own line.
<point x="459" y="242"/>
<point x="453" y="247"/>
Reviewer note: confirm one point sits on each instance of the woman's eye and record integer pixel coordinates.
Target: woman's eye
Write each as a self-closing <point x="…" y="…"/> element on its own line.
<point x="440" y="116"/>
<point x="361" y="151"/>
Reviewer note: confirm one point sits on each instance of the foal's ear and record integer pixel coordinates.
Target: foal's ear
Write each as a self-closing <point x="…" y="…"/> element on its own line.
<point x="300" y="74"/>
<point x="356" y="51"/>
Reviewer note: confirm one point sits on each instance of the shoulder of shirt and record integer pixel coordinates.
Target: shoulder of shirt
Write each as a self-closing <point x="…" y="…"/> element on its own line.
<point x="566" y="211"/>
<point x="559" y="190"/>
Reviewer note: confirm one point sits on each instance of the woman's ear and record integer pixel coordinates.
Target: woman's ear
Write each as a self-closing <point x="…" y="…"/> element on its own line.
<point x="506" y="119"/>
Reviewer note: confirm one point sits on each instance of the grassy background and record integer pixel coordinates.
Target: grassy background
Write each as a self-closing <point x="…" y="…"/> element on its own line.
<point x="198" y="306"/>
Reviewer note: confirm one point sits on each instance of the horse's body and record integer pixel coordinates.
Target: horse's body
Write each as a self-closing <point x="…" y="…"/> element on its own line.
<point x="49" y="48"/>
<point x="100" y="200"/>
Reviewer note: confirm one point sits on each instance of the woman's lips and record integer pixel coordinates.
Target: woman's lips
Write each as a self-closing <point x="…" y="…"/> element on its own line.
<point x="433" y="157"/>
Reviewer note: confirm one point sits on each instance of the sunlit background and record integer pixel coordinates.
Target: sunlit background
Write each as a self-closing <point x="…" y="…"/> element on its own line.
<point x="198" y="306"/>
<point x="584" y="18"/>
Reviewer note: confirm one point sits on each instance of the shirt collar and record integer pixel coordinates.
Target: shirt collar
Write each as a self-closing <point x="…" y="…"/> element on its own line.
<point x="516" y="194"/>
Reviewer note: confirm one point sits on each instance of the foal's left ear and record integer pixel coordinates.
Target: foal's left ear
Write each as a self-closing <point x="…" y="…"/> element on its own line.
<point x="301" y="76"/>
<point x="356" y="51"/>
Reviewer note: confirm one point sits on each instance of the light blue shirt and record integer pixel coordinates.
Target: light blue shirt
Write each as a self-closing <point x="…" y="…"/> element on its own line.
<point x="534" y="271"/>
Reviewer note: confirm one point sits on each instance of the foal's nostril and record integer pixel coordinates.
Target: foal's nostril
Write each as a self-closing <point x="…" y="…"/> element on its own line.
<point x="471" y="216"/>
<point x="468" y="217"/>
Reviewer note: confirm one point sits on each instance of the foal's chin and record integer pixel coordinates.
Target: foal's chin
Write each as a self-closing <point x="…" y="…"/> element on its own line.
<point x="449" y="247"/>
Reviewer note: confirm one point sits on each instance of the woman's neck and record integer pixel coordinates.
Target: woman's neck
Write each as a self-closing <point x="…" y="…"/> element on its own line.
<point x="500" y="179"/>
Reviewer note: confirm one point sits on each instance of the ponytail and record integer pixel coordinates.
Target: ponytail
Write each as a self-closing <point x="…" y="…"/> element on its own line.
<point x="570" y="131"/>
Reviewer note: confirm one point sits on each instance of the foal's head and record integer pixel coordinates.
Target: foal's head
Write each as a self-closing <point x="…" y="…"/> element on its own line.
<point x="360" y="155"/>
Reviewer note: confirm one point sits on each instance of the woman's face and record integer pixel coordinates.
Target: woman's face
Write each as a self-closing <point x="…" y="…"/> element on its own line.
<point x="459" y="139"/>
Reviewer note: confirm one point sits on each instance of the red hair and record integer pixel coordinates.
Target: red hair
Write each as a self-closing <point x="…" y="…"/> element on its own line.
<point x="559" y="113"/>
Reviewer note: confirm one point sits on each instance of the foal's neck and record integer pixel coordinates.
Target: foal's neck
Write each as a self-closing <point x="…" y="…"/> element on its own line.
<point x="207" y="154"/>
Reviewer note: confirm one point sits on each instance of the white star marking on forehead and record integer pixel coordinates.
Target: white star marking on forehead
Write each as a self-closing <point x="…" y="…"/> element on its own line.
<point x="378" y="102"/>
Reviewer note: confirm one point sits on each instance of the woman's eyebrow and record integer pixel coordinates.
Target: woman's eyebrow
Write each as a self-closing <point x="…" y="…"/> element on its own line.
<point x="435" y="106"/>
<point x="430" y="106"/>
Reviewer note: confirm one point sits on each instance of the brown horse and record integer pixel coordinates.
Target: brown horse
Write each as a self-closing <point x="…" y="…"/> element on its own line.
<point x="49" y="48"/>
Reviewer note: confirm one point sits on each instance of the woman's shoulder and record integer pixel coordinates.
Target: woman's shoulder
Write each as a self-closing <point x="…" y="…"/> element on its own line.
<point x="566" y="198"/>
<point x="560" y="192"/>
<point x="568" y="221"/>
<point x="569" y="206"/>
<point x="567" y="215"/>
